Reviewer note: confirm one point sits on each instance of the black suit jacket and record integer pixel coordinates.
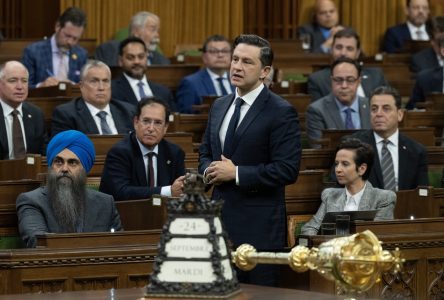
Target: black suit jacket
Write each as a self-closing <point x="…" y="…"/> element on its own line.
<point x="424" y="59"/>
<point x="125" y="177"/>
<point x="121" y="90"/>
<point x="316" y="37"/>
<point x="319" y="82"/>
<point x="108" y="53"/>
<point x="412" y="162"/>
<point x="427" y="82"/>
<point x="76" y="115"/>
<point x="35" y="133"/>
<point x="395" y="38"/>
<point x="266" y="151"/>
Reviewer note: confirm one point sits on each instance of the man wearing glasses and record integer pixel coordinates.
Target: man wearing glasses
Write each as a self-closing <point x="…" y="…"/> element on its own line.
<point x="94" y="112"/>
<point x="342" y="108"/>
<point x="209" y="81"/>
<point x="144" y="163"/>
<point x="58" y="58"/>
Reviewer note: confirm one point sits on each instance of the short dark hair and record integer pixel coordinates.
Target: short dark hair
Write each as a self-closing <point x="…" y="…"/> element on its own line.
<point x="387" y="90"/>
<point x="342" y="60"/>
<point x="348" y="32"/>
<point x="74" y="15"/>
<point x="130" y="40"/>
<point x="152" y="100"/>
<point x="364" y="153"/>
<point x="213" y="38"/>
<point x="255" y="40"/>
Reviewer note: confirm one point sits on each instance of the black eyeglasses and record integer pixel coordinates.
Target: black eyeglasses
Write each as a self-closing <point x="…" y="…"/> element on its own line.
<point x="341" y="80"/>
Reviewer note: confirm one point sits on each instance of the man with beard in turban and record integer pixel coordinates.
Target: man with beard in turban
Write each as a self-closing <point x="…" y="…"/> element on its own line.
<point x="65" y="204"/>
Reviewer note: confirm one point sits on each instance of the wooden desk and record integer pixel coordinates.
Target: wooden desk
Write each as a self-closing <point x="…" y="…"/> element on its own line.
<point x="247" y="292"/>
<point x="63" y="89"/>
<point x="421" y="244"/>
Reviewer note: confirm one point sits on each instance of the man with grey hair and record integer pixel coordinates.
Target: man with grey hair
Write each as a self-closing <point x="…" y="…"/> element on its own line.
<point x="144" y="25"/>
<point x="22" y="129"/>
<point x="94" y="112"/>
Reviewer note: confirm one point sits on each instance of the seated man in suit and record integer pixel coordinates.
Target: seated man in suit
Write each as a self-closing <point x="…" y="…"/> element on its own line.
<point x="417" y="12"/>
<point x="408" y="156"/>
<point x="343" y="108"/>
<point x="428" y="81"/>
<point x="353" y="164"/>
<point x="94" y="112"/>
<point x="144" y="25"/>
<point x="211" y="80"/>
<point x="65" y="204"/>
<point x="346" y="43"/>
<point x="133" y="84"/>
<point x="144" y="163"/>
<point x="23" y="127"/>
<point x="58" y="58"/>
<point x="324" y="26"/>
<point x="431" y="57"/>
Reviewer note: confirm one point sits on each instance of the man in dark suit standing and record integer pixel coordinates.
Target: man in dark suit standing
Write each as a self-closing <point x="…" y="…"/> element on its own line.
<point x="29" y="134"/>
<point x="250" y="166"/>
<point x="58" y="58"/>
<point x="417" y="12"/>
<point x="144" y="25"/>
<point x="94" y="112"/>
<point x="408" y="156"/>
<point x="133" y="85"/>
<point x="431" y="57"/>
<point x="325" y="24"/>
<point x="209" y="81"/>
<point x="144" y="163"/>
<point x="65" y="204"/>
<point x="346" y="43"/>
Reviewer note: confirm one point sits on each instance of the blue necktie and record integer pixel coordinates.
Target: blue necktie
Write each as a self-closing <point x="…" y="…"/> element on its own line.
<point x="103" y="123"/>
<point x="142" y="94"/>
<point x="221" y="86"/>
<point x="228" y="144"/>
<point x="348" y="119"/>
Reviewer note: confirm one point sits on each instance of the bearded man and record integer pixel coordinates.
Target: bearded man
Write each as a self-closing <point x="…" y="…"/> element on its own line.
<point x="65" y="204"/>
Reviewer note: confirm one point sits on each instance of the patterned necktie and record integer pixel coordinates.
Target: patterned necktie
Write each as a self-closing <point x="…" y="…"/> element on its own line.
<point x="62" y="73"/>
<point x="150" y="169"/>
<point x="348" y="119"/>
<point x="103" y="124"/>
<point x="228" y="144"/>
<point x="142" y="94"/>
<point x="388" y="171"/>
<point x="419" y="35"/>
<point x="17" y="136"/>
<point x="221" y="86"/>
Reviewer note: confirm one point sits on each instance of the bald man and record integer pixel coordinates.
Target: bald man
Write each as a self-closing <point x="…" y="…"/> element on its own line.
<point x="65" y="204"/>
<point x="31" y="125"/>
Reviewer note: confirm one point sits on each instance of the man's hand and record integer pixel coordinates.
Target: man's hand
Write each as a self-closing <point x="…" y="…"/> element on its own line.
<point x="221" y="171"/>
<point x="50" y="81"/>
<point x="329" y="42"/>
<point x="177" y="187"/>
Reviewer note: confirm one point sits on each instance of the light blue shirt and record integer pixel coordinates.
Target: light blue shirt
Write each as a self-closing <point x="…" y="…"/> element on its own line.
<point x="355" y="112"/>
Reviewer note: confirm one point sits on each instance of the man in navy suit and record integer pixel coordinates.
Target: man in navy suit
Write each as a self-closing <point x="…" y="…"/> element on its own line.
<point x="346" y="43"/>
<point x="13" y="93"/>
<point x="144" y="25"/>
<point x="431" y="57"/>
<point x="323" y="28"/>
<point x="58" y="58"/>
<point x="417" y="12"/>
<point x="409" y="157"/>
<point x="133" y="85"/>
<point x="250" y="166"/>
<point x="94" y="112"/>
<point x="144" y="163"/>
<point x="210" y="81"/>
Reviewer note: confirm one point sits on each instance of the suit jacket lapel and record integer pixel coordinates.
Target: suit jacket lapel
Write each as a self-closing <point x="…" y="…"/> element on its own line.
<point x="48" y="53"/>
<point x="403" y="158"/>
<point x="116" y="117"/>
<point x="3" y="137"/>
<point x="218" y="118"/>
<point x="28" y="125"/>
<point x="376" y="169"/>
<point x="163" y="165"/>
<point x="141" y="173"/>
<point x="333" y="111"/>
<point x="366" y="198"/>
<point x="364" y="113"/>
<point x="86" y="117"/>
<point x="366" y="82"/>
<point x="129" y="92"/>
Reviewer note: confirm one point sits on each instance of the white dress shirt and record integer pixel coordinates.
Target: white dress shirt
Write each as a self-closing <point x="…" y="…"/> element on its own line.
<point x="146" y="88"/>
<point x="109" y="117"/>
<point x="7" y="110"/>
<point x="393" y="148"/>
<point x="353" y="201"/>
<point x="424" y="36"/>
<point x="226" y="82"/>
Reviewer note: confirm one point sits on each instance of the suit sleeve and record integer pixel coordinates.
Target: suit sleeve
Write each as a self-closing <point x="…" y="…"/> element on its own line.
<point x="422" y="172"/>
<point x="31" y="220"/>
<point x="417" y="95"/>
<point x="386" y="205"/>
<point x="205" y="150"/>
<point x="186" y="96"/>
<point x="117" y="180"/>
<point x="60" y="121"/>
<point x="115" y="222"/>
<point x="312" y="226"/>
<point x="315" y="123"/>
<point x="390" y="44"/>
<point x="314" y="89"/>
<point x="284" y="155"/>
<point x="28" y="61"/>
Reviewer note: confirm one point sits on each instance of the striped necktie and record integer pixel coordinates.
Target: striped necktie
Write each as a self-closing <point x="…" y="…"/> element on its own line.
<point x="388" y="171"/>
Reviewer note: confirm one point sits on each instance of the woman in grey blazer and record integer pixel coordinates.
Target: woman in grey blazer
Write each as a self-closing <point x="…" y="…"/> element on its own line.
<point x="353" y="163"/>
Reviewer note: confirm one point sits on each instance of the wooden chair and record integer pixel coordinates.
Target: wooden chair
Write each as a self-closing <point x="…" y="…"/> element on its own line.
<point x="417" y="203"/>
<point x="195" y="124"/>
